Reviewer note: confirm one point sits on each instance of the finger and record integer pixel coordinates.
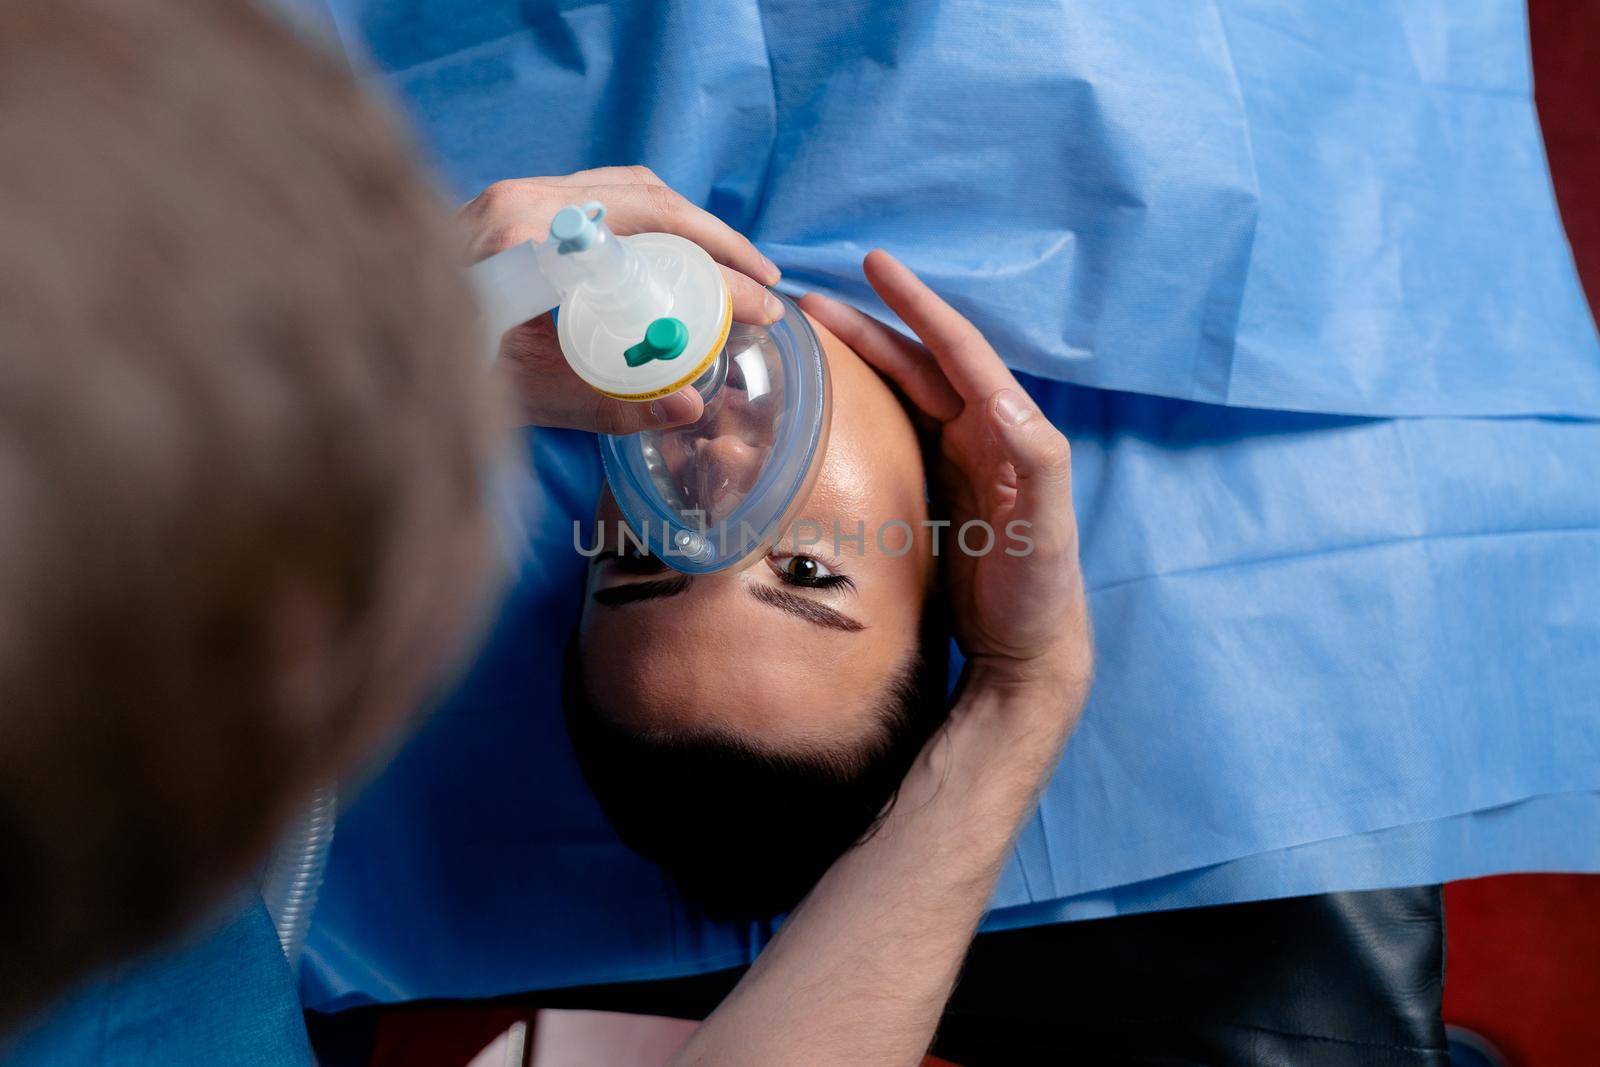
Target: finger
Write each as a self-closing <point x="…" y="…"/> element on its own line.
<point x="1042" y="459"/>
<point x="627" y="174"/>
<point x="620" y="417"/>
<point x="898" y="358"/>
<point x="636" y="201"/>
<point x="752" y="302"/>
<point x="721" y="241"/>
<point x="653" y="207"/>
<point x="598" y="176"/>
<point x="971" y="366"/>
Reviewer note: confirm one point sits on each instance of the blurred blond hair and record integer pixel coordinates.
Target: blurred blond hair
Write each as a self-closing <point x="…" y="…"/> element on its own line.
<point x="242" y="445"/>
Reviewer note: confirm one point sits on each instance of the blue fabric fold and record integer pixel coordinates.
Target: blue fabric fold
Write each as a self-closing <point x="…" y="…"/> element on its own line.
<point x="1243" y="202"/>
<point x="1499" y="840"/>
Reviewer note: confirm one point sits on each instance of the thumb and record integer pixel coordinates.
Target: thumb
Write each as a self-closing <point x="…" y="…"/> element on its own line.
<point x="622" y="417"/>
<point x="1043" y="461"/>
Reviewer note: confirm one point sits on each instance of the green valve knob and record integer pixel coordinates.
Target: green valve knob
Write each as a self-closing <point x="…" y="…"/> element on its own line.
<point x="665" y="339"/>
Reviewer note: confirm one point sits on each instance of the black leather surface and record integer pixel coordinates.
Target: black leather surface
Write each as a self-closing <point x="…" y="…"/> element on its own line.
<point x="1344" y="978"/>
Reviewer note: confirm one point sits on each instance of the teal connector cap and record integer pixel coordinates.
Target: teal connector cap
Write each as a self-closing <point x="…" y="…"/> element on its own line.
<point x="665" y="339"/>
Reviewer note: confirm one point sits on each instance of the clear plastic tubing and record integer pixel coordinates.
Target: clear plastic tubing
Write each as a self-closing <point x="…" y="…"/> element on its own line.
<point x="294" y="874"/>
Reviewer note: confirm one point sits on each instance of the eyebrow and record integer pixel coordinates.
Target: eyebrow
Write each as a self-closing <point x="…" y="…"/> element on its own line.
<point x="793" y="603"/>
<point x="805" y="608"/>
<point x="634" y="592"/>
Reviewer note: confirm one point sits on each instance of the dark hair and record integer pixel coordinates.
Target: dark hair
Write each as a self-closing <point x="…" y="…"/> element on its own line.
<point x="745" y="832"/>
<point x="239" y="386"/>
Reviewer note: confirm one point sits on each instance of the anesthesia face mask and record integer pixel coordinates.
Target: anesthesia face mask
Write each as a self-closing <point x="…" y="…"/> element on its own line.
<point x="639" y="318"/>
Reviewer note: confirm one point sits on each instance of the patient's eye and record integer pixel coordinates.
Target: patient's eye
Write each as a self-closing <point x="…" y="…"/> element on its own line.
<point x="806" y="570"/>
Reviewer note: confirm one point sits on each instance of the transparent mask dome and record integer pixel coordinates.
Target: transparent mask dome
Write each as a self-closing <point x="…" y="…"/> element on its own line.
<point x="715" y="494"/>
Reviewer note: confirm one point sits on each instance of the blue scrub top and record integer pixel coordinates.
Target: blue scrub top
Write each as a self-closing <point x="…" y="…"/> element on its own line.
<point x="220" y="996"/>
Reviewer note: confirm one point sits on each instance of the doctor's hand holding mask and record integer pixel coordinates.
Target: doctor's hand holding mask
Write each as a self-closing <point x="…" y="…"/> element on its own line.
<point x="515" y="211"/>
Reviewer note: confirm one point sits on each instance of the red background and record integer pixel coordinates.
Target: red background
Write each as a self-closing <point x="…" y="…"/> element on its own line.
<point x="1522" y="965"/>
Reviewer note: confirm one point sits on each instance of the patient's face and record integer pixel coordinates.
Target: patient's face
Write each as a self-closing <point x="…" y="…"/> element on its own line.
<point x="794" y="652"/>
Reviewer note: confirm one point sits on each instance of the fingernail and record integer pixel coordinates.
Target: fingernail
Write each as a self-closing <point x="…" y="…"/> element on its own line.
<point x="673" y="409"/>
<point x="773" y="272"/>
<point x="1012" y="408"/>
<point x="773" y="307"/>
